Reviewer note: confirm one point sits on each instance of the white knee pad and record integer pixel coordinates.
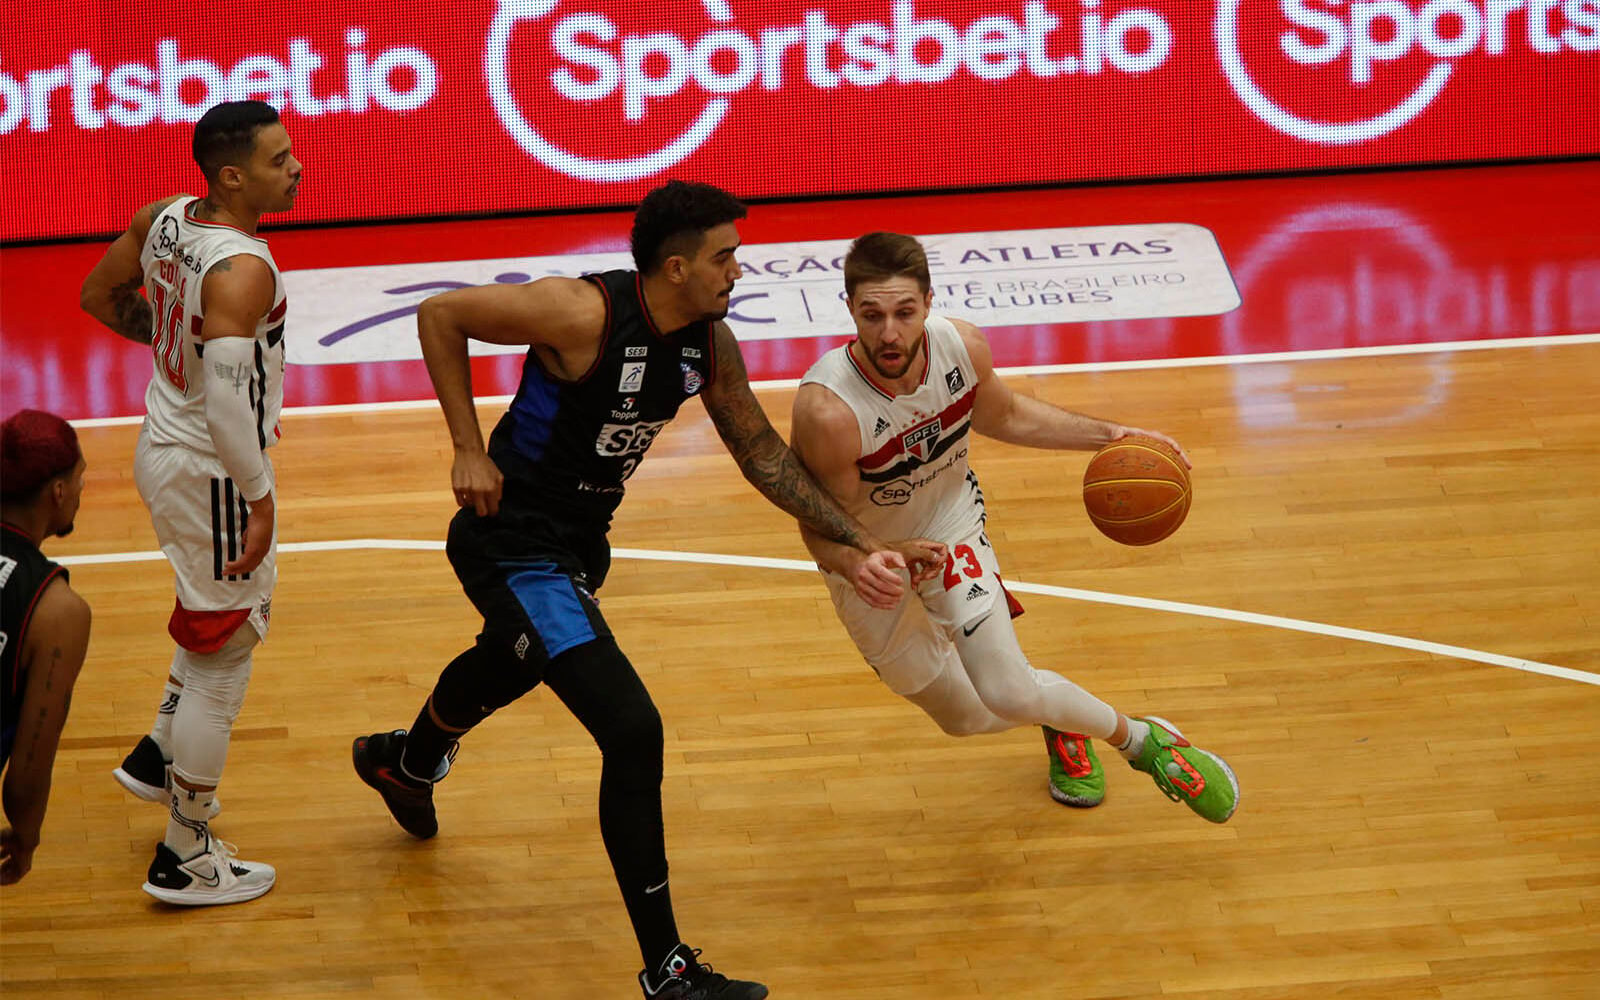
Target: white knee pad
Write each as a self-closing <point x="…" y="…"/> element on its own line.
<point x="213" y="692"/>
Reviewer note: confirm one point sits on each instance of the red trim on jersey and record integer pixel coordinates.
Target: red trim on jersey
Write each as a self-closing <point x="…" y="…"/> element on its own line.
<point x="1012" y="604"/>
<point x="711" y="348"/>
<point x="204" y="631"/>
<point x="896" y="445"/>
<point x="277" y="313"/>
<point x="927" y="365"/>
<point x="216" y="225"/>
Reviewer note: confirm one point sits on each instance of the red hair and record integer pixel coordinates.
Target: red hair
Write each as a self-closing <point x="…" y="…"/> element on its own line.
<point x="35" y="447"/>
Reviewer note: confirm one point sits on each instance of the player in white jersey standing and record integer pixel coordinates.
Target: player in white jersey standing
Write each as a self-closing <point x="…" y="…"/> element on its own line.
<point x="213" y="312"/>
<point x="884" y="423"/>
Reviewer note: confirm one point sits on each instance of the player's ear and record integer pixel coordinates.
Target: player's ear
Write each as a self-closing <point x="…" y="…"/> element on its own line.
<point x="230" y="177"/>
<point x="676" y="268"/>
<point x="927" y="299"/>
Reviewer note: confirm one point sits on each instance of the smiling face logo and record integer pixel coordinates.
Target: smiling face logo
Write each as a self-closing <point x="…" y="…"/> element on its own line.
<point x="600" y="75"/>
<point x="1363" y="40"/>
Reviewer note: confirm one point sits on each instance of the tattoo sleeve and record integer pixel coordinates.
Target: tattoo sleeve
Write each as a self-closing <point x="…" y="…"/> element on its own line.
<point x="766" y="460"/>
<point x="134" y="319"/>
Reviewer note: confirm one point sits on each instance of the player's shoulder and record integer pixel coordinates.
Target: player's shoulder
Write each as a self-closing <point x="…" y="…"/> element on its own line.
<point x="146" y="216"/>
<point x="820" y="409"/>
<point x="59" y="608"/>
<point x="973" y="339"/>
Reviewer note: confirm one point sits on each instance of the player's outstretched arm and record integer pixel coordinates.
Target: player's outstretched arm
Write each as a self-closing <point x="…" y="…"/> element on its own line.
<point x="553" y="316"/>
<point x="765" y="459"/>
<point x="53" y="651"/>
<point x="1008" y="416"/>
<point x="113" y="291"/>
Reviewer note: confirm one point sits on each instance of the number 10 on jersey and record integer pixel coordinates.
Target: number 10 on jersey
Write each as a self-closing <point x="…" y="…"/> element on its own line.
<point x="166" y="308"/>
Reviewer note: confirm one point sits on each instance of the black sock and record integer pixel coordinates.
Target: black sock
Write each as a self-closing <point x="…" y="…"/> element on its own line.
<point x="425" y="746"/>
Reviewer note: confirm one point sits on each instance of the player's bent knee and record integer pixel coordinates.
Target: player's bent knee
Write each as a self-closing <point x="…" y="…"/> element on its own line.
<point x="483" y="680"/>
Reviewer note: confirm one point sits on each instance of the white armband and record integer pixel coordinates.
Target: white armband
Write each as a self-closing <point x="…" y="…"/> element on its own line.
<point x="231" y="416"/>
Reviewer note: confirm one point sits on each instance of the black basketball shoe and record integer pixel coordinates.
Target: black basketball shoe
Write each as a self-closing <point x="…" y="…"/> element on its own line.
<point x="682" y="977"/>
<point x="144" y="772"/>
<point x="410" y="802"/>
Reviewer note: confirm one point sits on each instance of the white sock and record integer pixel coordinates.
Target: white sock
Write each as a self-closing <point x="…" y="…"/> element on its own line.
<point x="187" y="832"/>
<point x="1133" y="746"/>
<point x="161" y="732"/>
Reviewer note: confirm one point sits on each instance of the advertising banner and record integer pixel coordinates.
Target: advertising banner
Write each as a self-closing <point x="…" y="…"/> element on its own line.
<point x="430" y="108"/>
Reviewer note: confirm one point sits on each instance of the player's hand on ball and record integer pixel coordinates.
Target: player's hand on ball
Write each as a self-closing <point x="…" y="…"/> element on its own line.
<point x="877" y="578"/>
<point x="1157" y="435"/>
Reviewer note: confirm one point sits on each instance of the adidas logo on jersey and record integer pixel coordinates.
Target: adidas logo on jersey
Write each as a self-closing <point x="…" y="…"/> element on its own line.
<point x="976" y="592"/>
<point x="881" y="426"/>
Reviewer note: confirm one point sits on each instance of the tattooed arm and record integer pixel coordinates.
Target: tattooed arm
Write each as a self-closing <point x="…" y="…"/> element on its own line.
<point x="52" y="651"/>
<point x="775" y="470"/>
<point x="113" y="291"/>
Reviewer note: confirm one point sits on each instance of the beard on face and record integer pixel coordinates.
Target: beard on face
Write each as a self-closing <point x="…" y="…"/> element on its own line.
<point x="908" y="358"/>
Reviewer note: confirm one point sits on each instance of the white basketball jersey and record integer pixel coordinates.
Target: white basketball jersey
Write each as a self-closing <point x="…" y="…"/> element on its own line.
<point x="913" y="446"/>
<point x="176" y="256"/>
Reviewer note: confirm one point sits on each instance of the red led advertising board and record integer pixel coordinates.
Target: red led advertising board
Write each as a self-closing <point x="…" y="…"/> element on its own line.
<point x="430" y="108"/>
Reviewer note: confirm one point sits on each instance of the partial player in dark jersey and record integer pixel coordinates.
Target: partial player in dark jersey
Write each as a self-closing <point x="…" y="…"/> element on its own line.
<point x="611" y="357"/>
<point x="44" y="625"/>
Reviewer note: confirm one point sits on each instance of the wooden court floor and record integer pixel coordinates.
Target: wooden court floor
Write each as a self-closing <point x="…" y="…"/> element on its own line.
<point x="1413" y="824"/>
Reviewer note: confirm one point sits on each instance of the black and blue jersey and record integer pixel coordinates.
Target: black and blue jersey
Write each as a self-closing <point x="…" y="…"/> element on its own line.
<point x="567" y="447"/>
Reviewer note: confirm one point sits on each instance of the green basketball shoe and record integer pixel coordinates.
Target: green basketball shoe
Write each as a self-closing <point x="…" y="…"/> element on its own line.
<point x="1075" y="775"/>
<point x="1185" y="773"/>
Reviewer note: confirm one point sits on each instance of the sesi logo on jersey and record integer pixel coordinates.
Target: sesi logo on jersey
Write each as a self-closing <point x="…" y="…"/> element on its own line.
<point x="617" y="440"/>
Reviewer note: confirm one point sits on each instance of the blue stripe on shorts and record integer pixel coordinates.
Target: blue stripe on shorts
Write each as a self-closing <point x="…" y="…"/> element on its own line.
<point x="553" y="606"/>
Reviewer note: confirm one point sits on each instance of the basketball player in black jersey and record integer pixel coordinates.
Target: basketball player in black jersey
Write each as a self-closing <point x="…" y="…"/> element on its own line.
<point x="611" y="358"/>
<point x="44" y="625"/>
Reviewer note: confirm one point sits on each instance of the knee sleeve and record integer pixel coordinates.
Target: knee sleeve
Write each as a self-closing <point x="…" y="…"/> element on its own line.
<point x="950" y="700"/>
<point x="1012" y="689"/>
<point x="483" y="680"/>
<point x="214" y="686"/>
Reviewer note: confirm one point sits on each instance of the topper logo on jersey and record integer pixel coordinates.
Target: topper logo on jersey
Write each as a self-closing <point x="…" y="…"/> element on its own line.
<point x="1369" y="33"/>
<point x="595" y="58"/>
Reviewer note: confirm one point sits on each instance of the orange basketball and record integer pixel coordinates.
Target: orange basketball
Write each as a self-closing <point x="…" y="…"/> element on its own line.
<point x="1136" y="490"/>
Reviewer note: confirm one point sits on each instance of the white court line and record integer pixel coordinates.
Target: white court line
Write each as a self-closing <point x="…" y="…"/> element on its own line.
<point x="1070" y="593"/>
<point x="1088" y="366"/>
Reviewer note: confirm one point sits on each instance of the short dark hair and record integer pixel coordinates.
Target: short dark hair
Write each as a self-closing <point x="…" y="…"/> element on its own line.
<point x="35" y="448"/>
<point x="673" y="219"/>
<point x="226" y="134"/>
<point x="877" y="256"/>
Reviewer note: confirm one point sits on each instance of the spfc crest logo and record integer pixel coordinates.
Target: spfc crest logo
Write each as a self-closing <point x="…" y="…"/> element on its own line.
<point x="919" y="441"/>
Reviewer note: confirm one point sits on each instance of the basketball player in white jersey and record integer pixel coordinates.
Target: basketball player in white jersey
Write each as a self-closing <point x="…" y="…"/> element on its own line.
<point x="213" y="313"/>
<point x="884" y="423"/>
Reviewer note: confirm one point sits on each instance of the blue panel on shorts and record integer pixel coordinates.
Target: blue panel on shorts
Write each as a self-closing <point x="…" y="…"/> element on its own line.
<point x="553" y="606"/>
